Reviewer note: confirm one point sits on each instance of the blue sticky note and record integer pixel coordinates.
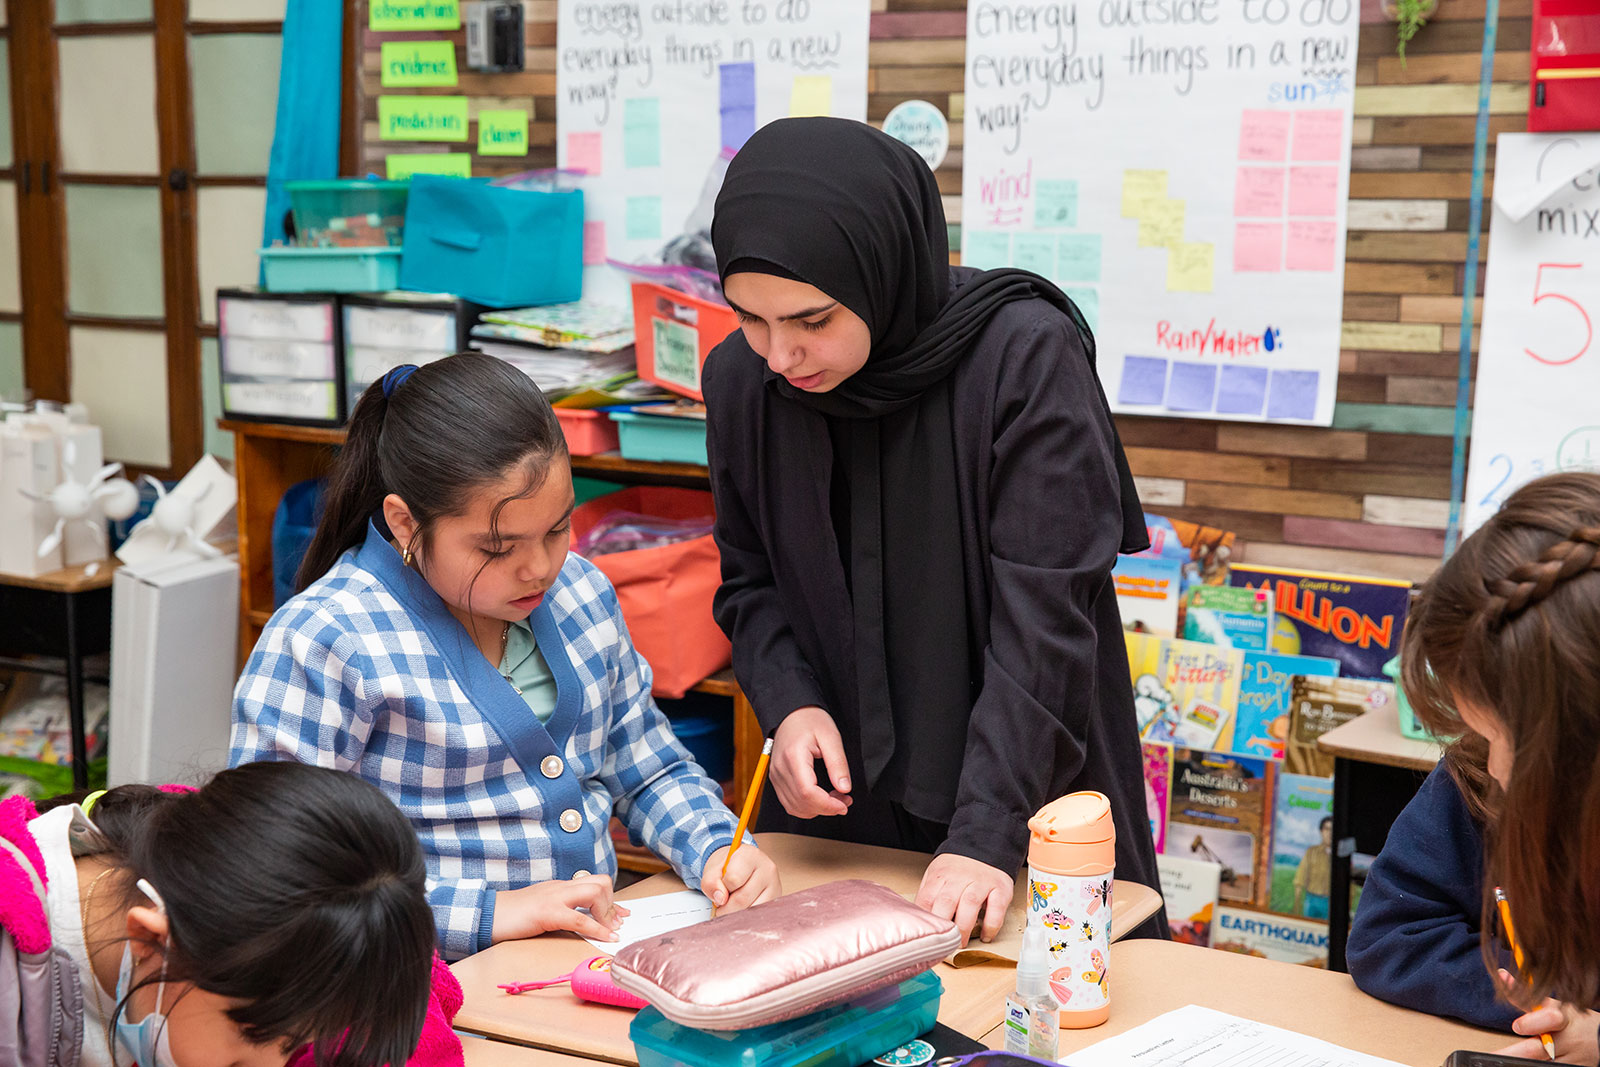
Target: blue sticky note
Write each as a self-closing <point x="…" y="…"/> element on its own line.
<point x="641" y="132"/>
<point x="1035" y="252"/>
<point x="1055" y="205"/>
<point x="1293" y="395"/>
<point x="1241" y="390"/>
<point x="1193" y="387"/>
<point x="738" y="104"/>
<point x="985" y="249"/>
<point x="1080" y="257"/>
<point x="644" y="218"/>
<point x="1144" y="380"/>
<point x="1088" y="301"/>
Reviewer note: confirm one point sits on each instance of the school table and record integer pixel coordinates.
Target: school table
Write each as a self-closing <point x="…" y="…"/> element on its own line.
<point x="554" y="1019"/>
<point x="1376" y="772"/>
<point x="481" y="1052"/>
<point x="1151" y="978"/>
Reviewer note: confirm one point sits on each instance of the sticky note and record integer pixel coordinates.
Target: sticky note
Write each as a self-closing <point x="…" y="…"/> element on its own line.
<point x="1161" y="226"/>
<point x="1055" y="204"/>
<point x="641" y="132"/>
<point x="1144" y="381"/>
<point x="1314" y="191"/>
<point x="584" y="151"/>
<point x="985" y="249"/>
<point x="1190" y="267"/>
<point x="1241" y="390"/>
<point x="811" y="94"/>
<point x="422" y="118"/>
<point x="1258" y="246"/>
<point x="1088" y="301"/>
<point x="594" y="244"/>
<point x="1193" y="386"/>
<point x="426" y="63"/>
<point x="1035" y="252"/>
<point x="737" y="102"/>
<point x="386" y="15"/>
<point x="1293" y="395"/>
<point x="1080" y="257"/>
<point x="401" y="165"/>
<point x="1258" y="192"/>
<point x="1142" y="190"/>
<point x="1311" y="245"/>
<point x="502" y="133"/>
<point x="644" y="218"/>
<point x="1318" y="136"/>
<point x="1264" y="137"/>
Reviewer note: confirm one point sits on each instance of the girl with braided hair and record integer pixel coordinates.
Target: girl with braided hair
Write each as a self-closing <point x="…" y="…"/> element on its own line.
<point x="1502" y="652"/>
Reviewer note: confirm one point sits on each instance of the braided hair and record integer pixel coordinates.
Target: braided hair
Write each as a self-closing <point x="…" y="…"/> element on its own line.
<point x="1509" y="628"/>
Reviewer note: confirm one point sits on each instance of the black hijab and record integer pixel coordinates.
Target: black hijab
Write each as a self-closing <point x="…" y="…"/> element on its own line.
<point x="847" y="209"/>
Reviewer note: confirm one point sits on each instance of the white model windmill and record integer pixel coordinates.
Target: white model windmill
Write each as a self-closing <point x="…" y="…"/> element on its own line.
<point x="104" y="496"/>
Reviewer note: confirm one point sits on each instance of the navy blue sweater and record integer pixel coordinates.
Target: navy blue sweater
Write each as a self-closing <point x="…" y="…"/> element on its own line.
<point x="1414" y="941"/>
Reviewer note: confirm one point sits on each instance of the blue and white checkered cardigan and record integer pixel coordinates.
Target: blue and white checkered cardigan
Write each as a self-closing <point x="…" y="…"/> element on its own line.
<point x="368" y="671"/>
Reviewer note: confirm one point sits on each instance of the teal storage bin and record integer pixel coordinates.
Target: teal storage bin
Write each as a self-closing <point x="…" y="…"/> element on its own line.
<point x="847" y="1035"/>
<point x="330" y="270"/>
<point x="347" y="212"/>
<point x="1409" y="726"/>
<point x="495" y="246"/>
<point x="661" y="438"/>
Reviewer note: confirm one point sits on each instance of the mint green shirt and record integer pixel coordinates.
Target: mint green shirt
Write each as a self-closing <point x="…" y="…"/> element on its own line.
<point x="524" y="666"/>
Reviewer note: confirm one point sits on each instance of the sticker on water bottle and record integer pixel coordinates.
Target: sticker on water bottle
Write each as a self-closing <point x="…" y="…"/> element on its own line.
<point x="1076" y="915"/>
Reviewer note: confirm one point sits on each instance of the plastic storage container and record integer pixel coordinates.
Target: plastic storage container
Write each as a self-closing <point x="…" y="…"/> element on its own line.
<point x="348" y="212"/>
<point x="330" y="270"/>
<point x="589" y="432"/>
<point x="847" y="1035"/>
<point x="661" y="438"/>
<point x="386" y="330"/>
<point x="674" y="332"/>
<point x="281" y="357"/>
<point x="1409" y="726"/>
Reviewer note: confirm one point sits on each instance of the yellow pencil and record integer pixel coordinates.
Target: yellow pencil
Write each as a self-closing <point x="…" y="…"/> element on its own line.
<point x="756" y="782"/>
<point x="1516" y="954"/>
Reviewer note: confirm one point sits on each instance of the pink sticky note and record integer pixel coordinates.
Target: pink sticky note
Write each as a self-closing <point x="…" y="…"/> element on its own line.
<point x="584" y="152"/>
<point x="1318" y="136"/>
<point x="1258" y="193"/>
<point x="1311" y="245"/>
<point x="1314" y="191"/>
<point x="1258" y="246"/>
<point x="1264" y="137"/>
<point x="594" y="244"/>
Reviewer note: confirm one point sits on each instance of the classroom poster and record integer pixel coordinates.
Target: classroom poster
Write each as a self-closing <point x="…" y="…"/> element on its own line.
<point x="1536" y="409"/>
<point x="1180" y="168"/>
<point x="649" y="97"/>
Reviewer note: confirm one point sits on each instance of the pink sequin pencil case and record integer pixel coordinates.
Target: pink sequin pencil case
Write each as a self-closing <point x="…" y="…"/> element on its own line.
<point x="786" y="958"/>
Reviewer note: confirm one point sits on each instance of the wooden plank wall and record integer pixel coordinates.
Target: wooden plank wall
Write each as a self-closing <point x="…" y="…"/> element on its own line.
<point x="1369" y="495"/>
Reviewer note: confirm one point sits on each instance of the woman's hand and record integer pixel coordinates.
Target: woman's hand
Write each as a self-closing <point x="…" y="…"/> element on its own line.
<point x="752" y="878"/>
<point x="959" y="887"/>
<point x="1576" y="1033"/>
<point x="539" y="909"/>
<point x="805" y="736"/>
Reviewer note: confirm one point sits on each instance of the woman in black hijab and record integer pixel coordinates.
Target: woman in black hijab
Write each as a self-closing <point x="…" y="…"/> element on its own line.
<point x="920" y="494"/>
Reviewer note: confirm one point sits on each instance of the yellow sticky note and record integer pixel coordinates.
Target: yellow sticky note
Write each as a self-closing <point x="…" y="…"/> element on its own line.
<point x="1161" y="225"/>
<point x="1141" y="190"/>
<point x="401" y="165"/>
<point x="422" y="118"/>
<point x="385" y="15"/>
<point x="1189" y="267"/>
<point x="502" y="133"/>
<point x="812" y="94"/>
<point x="418" y="63"/>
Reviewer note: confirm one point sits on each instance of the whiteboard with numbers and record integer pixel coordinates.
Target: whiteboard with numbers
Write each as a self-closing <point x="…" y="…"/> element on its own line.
<point x="1538" y="396"/>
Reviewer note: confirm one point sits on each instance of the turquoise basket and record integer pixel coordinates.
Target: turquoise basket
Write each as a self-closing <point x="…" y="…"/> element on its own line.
<point x="661" y="438"/>
<point x="330" y="270"/>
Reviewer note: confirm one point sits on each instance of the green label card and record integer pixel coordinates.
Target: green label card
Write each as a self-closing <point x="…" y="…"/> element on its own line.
<point x="419" y="63"/>
<point x="677" y="352"/>
<point x="402" y="165"/>
<point x="384" y="15"/>
<point x="422" y="118"/>
<point x="502" y="133"/>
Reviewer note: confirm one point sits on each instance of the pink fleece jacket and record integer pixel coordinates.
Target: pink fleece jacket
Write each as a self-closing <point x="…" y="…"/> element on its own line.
<point x="439" y="1046"/>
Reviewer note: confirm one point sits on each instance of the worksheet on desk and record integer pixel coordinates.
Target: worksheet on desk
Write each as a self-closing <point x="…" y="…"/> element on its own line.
<point x="649" y="916"/>
<point x="1199" y="1037"/>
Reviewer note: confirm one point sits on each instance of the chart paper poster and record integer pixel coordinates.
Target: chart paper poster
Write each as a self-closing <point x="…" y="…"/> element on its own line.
<point x="649" y="96"/>
<point x="1537" y="407"/>
<point x="1180" y="168"/>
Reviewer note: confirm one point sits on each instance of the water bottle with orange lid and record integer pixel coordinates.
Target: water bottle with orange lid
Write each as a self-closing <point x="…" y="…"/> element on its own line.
<point x="1071" y="859"/>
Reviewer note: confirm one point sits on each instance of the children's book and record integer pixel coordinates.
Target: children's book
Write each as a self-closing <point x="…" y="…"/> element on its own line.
<point x="1157" y="788"/>
<point x="1320" y="704"/>
<point x="1222" y="811"/>
<point x="1356" y="621"/>
<point x="1185" y="693"/>
<point x="1302" y="846"/>
<point x="1229" y="616"/>
<point x="1273" y="937"/>
<point x="1266" y="693"/>
<point x="1189" y="889"/>
<point x="1147" y="593"/>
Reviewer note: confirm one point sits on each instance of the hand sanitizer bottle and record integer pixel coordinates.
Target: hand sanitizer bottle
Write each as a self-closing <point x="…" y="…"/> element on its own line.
<point x="1032" y="1014"/>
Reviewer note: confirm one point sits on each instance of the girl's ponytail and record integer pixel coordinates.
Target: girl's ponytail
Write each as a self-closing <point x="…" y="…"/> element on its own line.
<point x="355" y="488"/>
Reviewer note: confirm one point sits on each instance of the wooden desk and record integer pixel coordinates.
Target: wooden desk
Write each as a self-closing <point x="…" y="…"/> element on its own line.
<point x="1151" y="978"/>
<point x="553" y="1019"/>
<point x="1375" y="762"/>
<point x="481" y="1052"/>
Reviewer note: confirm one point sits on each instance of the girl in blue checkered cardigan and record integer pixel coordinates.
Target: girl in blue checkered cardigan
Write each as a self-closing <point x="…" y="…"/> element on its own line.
<point x="449" y="649"/>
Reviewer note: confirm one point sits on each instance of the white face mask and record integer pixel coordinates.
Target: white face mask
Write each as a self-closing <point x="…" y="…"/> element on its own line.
<point x="147" y="1040"/>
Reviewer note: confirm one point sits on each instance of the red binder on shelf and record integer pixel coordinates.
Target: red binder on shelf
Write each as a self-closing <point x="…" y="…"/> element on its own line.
<point x="1564" y="91"/>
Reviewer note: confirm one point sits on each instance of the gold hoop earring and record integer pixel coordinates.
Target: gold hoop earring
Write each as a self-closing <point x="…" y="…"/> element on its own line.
<point x="405" y="557"/>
